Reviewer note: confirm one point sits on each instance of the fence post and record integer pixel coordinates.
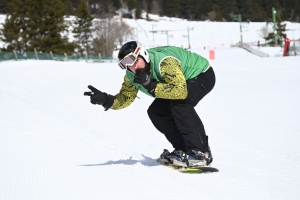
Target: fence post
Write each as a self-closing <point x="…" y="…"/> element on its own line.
<point x="16" y="55"/>
<point x="294" y="47"/>
<point x="51" y="55"/>
<point x="100" y="57"/>
<point x="66" y="57"/>
<point x="36" y="57"/>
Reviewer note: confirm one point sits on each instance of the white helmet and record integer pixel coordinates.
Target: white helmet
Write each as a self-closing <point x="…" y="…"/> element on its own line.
<point x="136" y="50"/>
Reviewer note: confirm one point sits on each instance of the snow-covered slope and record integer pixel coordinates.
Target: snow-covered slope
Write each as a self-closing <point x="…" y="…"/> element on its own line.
<point x="54" y="144"/>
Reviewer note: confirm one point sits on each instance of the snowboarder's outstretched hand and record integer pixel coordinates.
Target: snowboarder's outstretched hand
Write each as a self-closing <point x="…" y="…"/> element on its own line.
<point x="97" y="97"/>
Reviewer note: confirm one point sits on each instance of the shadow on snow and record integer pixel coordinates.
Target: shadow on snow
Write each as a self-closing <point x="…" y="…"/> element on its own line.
<point x="147" y="161"/>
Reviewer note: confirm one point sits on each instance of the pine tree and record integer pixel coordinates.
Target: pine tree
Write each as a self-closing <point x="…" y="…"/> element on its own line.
<point x="259" y="14"/>
<point x="171" y="8"/>
<point x="46" y="26"/>
<point x="229" y="8"/>
<point x="281" y="29"/>
<point x="14" y="29"/>
<point x="245" y="8"/>
<point x="51" y="27"/>
<point x="189" y="9"/>
<point x="280" y="32"/>
<point x="75" y="3"/>
<point x="35" y="24"/>
<point x="3" y="6"/>
<point x="296" y="11"/>
<point x="134" y="4"/>
<point x="68" y="7"/>
<point x="207" y="6"/>
<point x="218" y="6"/>
<point x="83" y="28"/>
<point x="216" y="9"/>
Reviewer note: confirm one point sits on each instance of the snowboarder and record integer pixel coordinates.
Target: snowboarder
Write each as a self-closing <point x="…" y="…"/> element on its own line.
<point x="178" y="79"/>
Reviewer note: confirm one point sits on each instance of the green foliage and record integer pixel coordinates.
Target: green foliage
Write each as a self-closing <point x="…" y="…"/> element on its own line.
<point x="36" y="25"/>
<point x="252" y="10"/>
<point x="171" y="8"/>
<point x="51" y="26"/>
<point x="15" y="27"/>
<point x="280" y="32"/>
<point x="3" y="6"/>
<point x="69" y="10"/>
<point x="134" y="4"/>
<point x="260" y="15"/>
<point x="82" y="30"/>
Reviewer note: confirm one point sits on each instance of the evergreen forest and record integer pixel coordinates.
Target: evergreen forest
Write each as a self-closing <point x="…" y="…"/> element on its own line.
<point x="214" y="10"/>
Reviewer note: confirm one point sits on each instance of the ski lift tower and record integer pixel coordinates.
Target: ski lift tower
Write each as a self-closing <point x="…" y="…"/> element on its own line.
<point x="165" y="32"/>
<point x="239" y="19"/>
<point x="274" y="27"/>
<point x="188" y="36"/>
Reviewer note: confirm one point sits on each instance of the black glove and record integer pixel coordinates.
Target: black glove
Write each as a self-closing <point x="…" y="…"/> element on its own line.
<point x="98" y="97"/>
<point x="143" y="78"/>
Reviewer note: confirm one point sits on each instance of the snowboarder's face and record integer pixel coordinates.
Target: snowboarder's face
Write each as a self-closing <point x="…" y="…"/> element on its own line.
<point x="139" y="64"/>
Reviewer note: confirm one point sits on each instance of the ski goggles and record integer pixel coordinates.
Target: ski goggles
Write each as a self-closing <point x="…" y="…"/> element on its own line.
<point x="129" y="59"/>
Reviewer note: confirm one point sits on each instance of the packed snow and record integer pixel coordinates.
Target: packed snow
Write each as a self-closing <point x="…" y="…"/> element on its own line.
<point x="54" y="144"/>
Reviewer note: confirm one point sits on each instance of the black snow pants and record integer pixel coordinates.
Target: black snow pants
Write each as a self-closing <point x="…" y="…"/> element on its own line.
<point x="178" y="120"/>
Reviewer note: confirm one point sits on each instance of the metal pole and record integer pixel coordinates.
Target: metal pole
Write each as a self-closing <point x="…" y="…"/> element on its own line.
<point x="241" y="29"/>
<point x="239" y="18"/>
<point x="134" y="13"/>
<point x="294" y="47"/>
<point x="51" y="55"/>
<point x="188" y="35"/>
<point x="16" y="55"/>
<point x="167" y="32"/>
<point x="66" y="57"/>
<point x="36" y="57"/>
<point x="86" y="55"/>
<point x="274" y="27"/>
<point x="188" y="30"/>
<point x="153" y="31"/>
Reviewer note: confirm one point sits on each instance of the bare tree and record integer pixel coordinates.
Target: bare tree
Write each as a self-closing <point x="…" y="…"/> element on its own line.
<point x="123" y="33"/>
<point x="108" y="33"/>
<point x="212" y="15"/>
<point x="264" y="31"/>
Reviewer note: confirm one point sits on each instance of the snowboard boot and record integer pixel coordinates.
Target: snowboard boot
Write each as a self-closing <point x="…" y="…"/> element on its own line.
<point x="164" y="158"/>
<point x="167" y="158"/>
<point x="198" y="158"/>
<point x="179" y="158"/>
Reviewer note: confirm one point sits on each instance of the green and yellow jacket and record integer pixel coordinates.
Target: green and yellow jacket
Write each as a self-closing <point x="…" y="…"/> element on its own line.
<point x="170" y="67"/>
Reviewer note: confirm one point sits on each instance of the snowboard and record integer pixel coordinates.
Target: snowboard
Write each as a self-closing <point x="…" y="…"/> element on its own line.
<point x="191" y="170"/>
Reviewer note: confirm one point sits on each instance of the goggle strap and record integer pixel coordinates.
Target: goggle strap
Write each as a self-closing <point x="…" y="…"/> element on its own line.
<point x="137" y="50"/>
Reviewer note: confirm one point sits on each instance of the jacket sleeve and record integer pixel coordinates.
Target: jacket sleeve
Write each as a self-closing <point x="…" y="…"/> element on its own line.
<point x="174" y="83"/>
<point x="126" y="95"/>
